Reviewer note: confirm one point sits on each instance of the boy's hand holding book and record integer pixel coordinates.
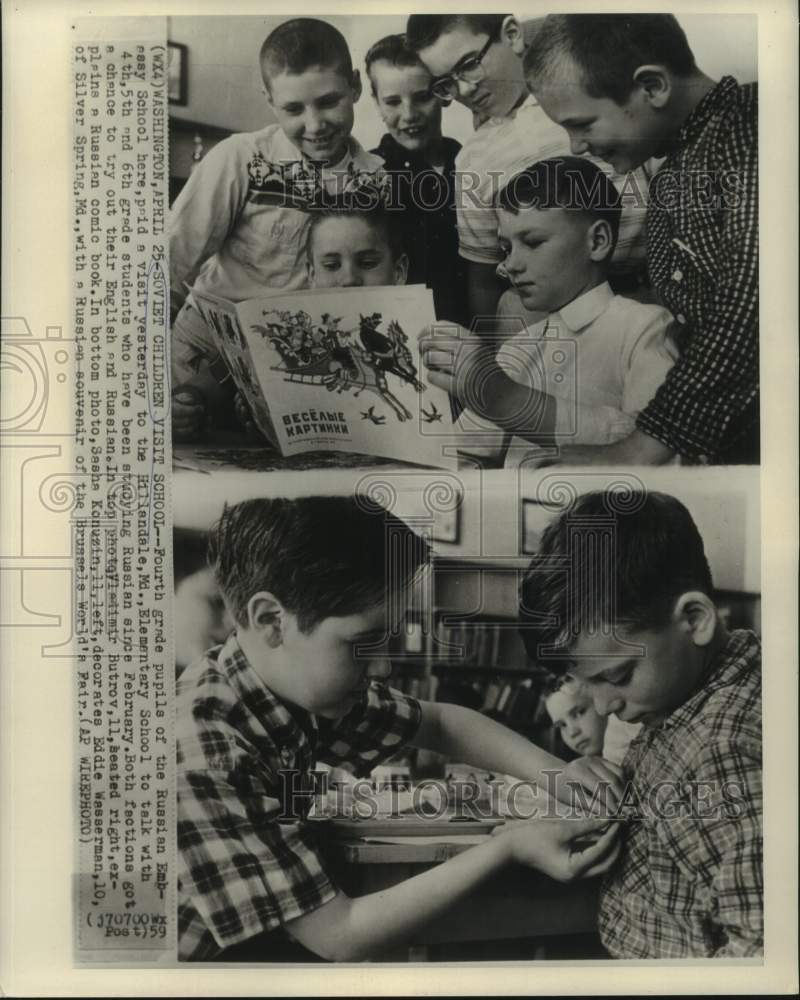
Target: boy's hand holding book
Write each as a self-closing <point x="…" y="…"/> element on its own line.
<point x="458" y="361"/>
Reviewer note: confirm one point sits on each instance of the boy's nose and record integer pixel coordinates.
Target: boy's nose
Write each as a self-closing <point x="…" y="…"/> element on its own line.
<point x="465" y="88"/>
<point x="351" y="278"/>
<point x="606" y="703"/>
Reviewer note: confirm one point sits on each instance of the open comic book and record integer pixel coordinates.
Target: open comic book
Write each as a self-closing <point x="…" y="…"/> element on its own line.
<point x="336" y="370"/>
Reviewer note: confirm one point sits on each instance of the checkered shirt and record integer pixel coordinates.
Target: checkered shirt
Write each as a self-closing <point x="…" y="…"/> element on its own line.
<point x="689" y="883"/>
<point x="702" y="252"/>
<point x="244" y="760"/>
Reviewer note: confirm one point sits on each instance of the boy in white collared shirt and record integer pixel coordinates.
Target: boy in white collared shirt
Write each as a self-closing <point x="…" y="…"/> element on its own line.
<point x="580" y="375"/>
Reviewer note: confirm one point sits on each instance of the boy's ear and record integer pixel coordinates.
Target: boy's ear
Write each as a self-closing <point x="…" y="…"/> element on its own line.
<point x="655" y="85"/>
<point x="266" y="617"/>
<point x="356" y="85"/>
<point x="511" y="33"/>
<point x="401" y="269"/>
<point x="600" y="241"/>
<point x="697" y="615"/>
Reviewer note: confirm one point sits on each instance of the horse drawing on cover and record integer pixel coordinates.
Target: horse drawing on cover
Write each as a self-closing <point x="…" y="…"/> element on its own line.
<point x="355" y="361"/>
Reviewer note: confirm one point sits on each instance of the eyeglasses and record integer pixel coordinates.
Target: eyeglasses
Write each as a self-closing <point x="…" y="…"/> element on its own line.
<point x="470" y="71"/>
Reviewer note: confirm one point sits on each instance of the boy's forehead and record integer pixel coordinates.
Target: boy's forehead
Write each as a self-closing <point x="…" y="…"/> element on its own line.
<point x="600" y="651"/>
<point x="532" y="221"/>
<point x="450" y="48"/>
<point x="284" y="85"/>
<point x="386" y="75"/>
<point x="564" y="97"/>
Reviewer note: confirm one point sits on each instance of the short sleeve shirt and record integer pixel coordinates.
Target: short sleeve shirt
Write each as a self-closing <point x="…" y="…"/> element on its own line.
<point x="248" y="863"/>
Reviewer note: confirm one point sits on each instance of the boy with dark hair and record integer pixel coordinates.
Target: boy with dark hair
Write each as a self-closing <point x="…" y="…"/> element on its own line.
<point x="420" y="162"/>
<point x="239" y="226"/>
<point x="596" y="359"/>
<point x="620" y="596"/>
<point x="477" y="60"/>
<point x="626" y="88"/>
<point x="315" y="586"/>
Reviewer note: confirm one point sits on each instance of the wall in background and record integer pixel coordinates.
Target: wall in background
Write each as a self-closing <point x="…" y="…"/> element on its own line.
<point x="726" y="515"/>
<point x="225" y="87"/>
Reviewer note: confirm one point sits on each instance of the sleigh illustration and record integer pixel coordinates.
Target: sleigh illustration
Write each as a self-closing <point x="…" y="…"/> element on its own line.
<point x="342" y="361"/>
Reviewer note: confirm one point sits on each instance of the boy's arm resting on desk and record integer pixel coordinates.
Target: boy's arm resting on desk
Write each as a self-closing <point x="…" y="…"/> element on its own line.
<point x="347" y="929"/>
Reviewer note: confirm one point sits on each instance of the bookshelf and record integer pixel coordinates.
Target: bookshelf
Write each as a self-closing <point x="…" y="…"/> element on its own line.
<point x="461" y="643"/>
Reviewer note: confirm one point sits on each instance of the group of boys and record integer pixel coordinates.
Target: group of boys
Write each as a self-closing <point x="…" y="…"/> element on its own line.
<point x="558" y="241"/>
<point x="302" y="676"/>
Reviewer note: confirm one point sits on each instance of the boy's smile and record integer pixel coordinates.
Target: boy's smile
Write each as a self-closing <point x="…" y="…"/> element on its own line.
<point x="413" y="116"/>
<point x="315" y="110"/>
<point x="624" y="135"/>
<point x="502" y="82"/>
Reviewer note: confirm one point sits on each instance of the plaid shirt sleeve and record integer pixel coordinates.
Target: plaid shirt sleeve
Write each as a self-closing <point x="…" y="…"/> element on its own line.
<point x="716" y="378"/>
<point x="242" y="870"/>
<point x="373" y="731"/>
<point x="719" y="843"/>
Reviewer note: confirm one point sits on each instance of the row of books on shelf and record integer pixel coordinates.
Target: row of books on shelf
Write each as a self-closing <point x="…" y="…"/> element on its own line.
<point x="484" y="645"/>
<point x="514" y="701"/>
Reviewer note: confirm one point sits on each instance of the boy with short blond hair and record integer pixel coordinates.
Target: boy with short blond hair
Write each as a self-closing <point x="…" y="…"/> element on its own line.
<point x="626" y="88"/>
<point x="240" y="225"/>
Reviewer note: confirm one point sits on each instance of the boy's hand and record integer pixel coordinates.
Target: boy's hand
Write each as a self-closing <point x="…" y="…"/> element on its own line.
<point x="564" y="849"/>
<point x="457" y="361"/>
<point x="245" y="418"/>
<point x="603" y="781"/>
<point x="189" y="412"/>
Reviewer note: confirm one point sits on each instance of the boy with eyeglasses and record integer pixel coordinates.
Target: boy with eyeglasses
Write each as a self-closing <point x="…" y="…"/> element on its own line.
<point x="476" y="59"/>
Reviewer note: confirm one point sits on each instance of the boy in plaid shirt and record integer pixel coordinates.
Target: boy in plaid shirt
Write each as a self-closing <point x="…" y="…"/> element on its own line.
<point x="647" y="640"/>
<point x="313" y="585"/>
<point x="626" y="88"/>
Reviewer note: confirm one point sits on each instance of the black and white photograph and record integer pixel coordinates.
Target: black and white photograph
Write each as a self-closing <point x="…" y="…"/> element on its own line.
<point x="392" y="517"/>
<point x="411" y="750"/>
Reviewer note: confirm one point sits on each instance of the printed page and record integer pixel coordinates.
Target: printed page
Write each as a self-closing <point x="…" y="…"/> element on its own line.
<point x="265" y="546"/>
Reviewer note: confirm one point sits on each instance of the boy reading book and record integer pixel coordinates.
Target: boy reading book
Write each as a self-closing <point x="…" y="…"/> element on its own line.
<point x="316" y="585"/>
<point x="644" y="635"/>
<point x="583" y="372"/>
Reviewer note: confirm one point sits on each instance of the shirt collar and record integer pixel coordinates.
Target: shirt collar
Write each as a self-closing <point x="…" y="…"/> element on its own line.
<point x="354" y="154"/>
<point x="294" y="731"/>
<point x="585" y="309"/>
<point x="715" y="100"/>
<point x="739" y="656"/>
